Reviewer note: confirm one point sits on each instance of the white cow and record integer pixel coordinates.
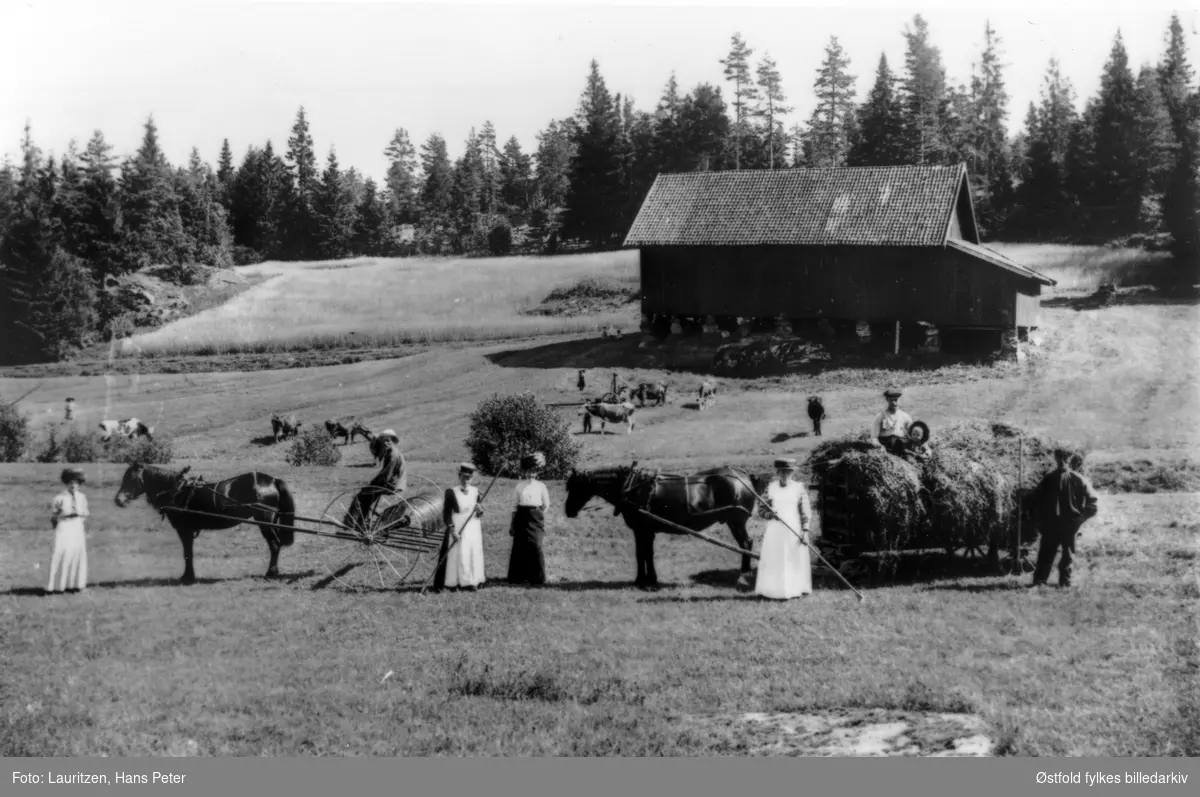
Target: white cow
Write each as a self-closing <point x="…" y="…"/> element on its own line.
<point x="608" y="413"/>
<point x="129" y="427"/>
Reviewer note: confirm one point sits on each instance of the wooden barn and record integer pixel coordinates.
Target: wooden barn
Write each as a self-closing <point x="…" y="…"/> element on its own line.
<point x="876" y="248"/>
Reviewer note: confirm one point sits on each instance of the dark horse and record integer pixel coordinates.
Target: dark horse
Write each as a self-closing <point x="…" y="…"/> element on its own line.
<point x="248" y="498"/>
<point x="695" y="501"/>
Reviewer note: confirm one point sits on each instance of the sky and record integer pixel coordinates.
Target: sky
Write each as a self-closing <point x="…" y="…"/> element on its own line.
<point x="240" y="70"/>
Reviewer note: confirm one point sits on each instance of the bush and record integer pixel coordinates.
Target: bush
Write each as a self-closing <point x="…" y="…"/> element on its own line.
<point x="505" y="428"/>
<point x="80" y="447"/>
<point x="159" y="451"/>
<point x="51" y="449"/>
<point x="314" y="446"/>
<point x="14" y="434"/>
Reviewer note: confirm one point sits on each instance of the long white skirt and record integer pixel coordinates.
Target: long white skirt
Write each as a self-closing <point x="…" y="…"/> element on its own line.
<point x="68" y="563"/>
<point x="784" y="566"/>
<point x="464" y="563"/>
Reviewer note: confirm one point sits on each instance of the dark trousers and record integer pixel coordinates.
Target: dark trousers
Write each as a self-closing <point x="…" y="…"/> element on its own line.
<point x="1055" y="534"/>
<point x="894" y="445"/>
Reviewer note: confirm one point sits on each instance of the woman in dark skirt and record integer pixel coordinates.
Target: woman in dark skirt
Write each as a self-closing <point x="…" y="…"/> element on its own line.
<point x="531" y="499"/>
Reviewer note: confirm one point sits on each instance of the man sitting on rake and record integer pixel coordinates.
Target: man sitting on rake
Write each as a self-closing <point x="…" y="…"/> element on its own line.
<point x="890" y="427"/>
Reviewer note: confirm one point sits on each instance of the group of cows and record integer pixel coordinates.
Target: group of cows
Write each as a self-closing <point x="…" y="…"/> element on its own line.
<point x="285" y="426"/>
<point x="130" y="428"/>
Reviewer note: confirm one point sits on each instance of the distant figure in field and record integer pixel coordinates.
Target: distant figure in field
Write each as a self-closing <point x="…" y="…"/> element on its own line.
<point x="816" y="413"/>
<point x="582" y="383"/>
<point x="69" y="414"/>
<point x="1064" y="500"/>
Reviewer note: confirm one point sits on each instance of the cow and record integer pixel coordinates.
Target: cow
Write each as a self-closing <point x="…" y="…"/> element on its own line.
<point x="608" y="413"/>
<point x="816" y="412"/>
<point x="129" y="427"/>
<point x="654" y="391"/>
<point x="358" y="428"/>
<point x="708" y="395"/>
<point x="382" y="443"/>
<point x="338" y="429"/>
<point x="284" y="425"/>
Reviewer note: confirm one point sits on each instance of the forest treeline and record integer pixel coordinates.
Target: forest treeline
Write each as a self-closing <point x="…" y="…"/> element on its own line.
<point x="1123" y="168"/>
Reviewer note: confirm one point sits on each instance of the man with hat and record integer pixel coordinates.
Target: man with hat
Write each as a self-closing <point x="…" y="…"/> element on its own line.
<point x="890" y="427"/>
<point x="70" y="411"/>
<point x="531" y="500"/>
<point x="1064" y="500"/>
<point x="461" y="556"/>
<point x="392" y="477"/>
<point x="68" y="563"/>
<point x="784" y="566"/>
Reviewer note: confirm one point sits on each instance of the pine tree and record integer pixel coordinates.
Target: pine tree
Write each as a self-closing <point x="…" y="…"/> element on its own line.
<point x="469" y="182"/>
<point x="737" y="71"/>
<point x="770" y="84"/>
<point x="827" y="139"/>
<point x="402" y="181"/>
<point x="490" y="176"/>
<point x="371" y="222"/>
<point x="437" y="190"/>
<point x="516" y="177"/>
<point x="594" y="197"/>
<point x="705" y="128"/>
<point x="924" y="97"/>
<point x="667" y="149"/>
<point x="880" y="123"/>
<point x="1116" y="178"/>
<point x="1181" y="194"/>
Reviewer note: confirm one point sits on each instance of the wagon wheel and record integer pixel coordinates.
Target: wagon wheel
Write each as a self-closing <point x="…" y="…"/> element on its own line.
<point x="356" y="559"/>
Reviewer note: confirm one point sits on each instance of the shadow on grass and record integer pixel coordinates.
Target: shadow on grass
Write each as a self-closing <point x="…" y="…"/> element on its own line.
<point x="265" y="440"/>
<point x="164" y="581"/>
<point x="783" y="437"/>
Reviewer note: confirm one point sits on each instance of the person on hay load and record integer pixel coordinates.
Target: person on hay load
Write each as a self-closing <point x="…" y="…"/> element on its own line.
<point x="784" y="566"/>
<point x="1064" y="500"/>
<point x="392" y="477"/>
<point x="461" y="554"/>
<point x="68" y="563"/>
<point x="531" y="500"/>
<point x="916" y="445"/>
<point x="890" y="427"/>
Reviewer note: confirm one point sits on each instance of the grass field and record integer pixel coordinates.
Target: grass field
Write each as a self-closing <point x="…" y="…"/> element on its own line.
<point x="370" y="302"/>
<point x="236" y="665"/>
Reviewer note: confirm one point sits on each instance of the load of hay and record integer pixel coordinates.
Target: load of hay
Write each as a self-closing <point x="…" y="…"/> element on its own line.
<point x="962" y="496"/>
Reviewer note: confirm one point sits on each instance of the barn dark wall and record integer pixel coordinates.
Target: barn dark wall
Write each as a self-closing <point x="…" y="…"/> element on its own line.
<point x="878" y="284"/>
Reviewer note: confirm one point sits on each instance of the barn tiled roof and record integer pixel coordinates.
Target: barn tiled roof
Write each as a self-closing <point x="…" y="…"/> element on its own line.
<point x="854" y="206"/>
<point x="997" y="259"/>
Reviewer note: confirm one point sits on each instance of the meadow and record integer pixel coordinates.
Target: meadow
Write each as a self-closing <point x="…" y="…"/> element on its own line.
<point x="381" y="302"/>
<point x="237" y="665"/>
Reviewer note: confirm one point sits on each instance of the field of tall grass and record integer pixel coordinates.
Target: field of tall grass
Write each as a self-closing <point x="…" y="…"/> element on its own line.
<point x="1081" y="269"/>
<point x="380" y="302"/>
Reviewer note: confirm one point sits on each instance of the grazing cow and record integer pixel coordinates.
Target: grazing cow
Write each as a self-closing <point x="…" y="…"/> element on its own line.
<point x="360" y="429"/>
<point x="816" y="411"/>
<point x="130" y="428"/>
<point x="382" y="443"/>
<point x="654" y="391"/>
<point x="708" y="395"/>
<point x="284" y="425"/>
<point x="338" y="429"/>
<point x="608" y="413"/>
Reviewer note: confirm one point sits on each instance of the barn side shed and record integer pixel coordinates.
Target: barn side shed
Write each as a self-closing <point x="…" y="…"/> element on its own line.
<point x="874" y="245"/>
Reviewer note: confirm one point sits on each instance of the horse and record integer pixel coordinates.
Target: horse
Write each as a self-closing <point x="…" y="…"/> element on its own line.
<point x="695" y="501"/>
<point x="248" y="498"/>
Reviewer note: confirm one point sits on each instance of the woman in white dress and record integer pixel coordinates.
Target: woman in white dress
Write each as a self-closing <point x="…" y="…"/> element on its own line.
<point x="462" y="565"/>
<point x="68" y="563"/>
<point x="784" y="566"/>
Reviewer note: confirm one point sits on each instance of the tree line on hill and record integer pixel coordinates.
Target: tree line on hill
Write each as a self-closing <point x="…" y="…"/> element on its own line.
<point x="1125" y="166"/>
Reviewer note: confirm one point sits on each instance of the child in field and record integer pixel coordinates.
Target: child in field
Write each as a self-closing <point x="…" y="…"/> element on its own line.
<point x="68" y="563"/>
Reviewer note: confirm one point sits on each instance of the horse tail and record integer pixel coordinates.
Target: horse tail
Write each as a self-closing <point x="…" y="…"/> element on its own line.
<point x="286" y="515"/>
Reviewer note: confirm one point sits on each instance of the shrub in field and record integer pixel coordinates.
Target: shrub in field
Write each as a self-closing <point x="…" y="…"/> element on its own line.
<point x="51" y="449"/>
<point x="314" y="446"/>
<point x="14" y="433"/>
<point x="80" y="447"/>
<point x="505" y="428"/>
<point x="159" y="451"/>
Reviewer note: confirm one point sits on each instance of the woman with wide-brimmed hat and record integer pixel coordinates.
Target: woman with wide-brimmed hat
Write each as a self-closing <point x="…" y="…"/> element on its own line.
<point x="784" y="566"/>
<point x="68" y="563"/>
<point x="531" y="500"/>
<point x="462" y="547"/>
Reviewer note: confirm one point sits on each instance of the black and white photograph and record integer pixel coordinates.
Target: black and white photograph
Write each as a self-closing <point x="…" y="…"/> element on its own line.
<point x="609" y="380"/>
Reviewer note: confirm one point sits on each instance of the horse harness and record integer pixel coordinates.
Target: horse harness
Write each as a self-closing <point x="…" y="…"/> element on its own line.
<point x="197" y="482"/>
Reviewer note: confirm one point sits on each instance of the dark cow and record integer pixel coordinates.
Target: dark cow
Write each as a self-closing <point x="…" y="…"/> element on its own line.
<point x="652" y="391"/>
<point x="338" y="429"/>
<point x="359" y="428"/>
<point x="708" y="395"/>
<point x="129" y="427"/>
<point x="608" y="413"/>
<point x="284" y="426"/>
<point x="816" y="412"/>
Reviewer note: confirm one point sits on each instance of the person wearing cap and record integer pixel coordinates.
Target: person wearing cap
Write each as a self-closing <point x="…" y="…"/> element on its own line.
<point x="461" y="556"/>
<point x="392" y="477"/>
<point x="784" y="565"/>
<point x="531" y="500"/>
<point x="890" y="427"/>
<point x="68" y="563"/>
<point x="1064" y="500"/>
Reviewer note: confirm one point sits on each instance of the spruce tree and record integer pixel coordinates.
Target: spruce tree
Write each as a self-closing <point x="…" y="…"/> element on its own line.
<point x="402" y="179"/>
<point x="880" y="123"/>
<point x="302" y="159"/>
<point x="594" y="197"/>
<point x="705" y="129"/>
<point x="437" y="190"/>
<point x="225" y="173"/>
<point x="516" y="177"/>
<point x="1115" y="158"/>
<point x="1181" y="192"/>
<point x="924" y="97"/>
<point x="371" y="222"/>
<point x="152" y="230"/>
<point x="336" y="212"/>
